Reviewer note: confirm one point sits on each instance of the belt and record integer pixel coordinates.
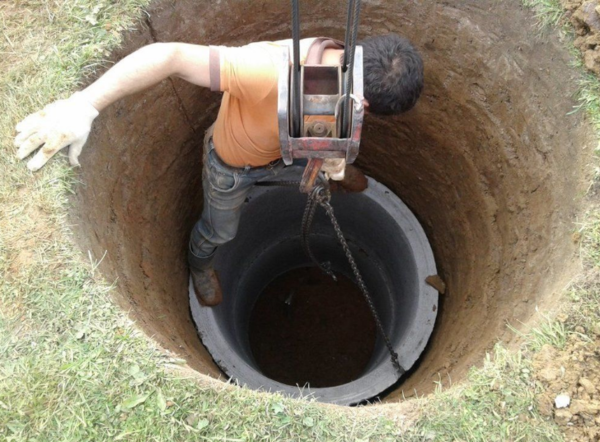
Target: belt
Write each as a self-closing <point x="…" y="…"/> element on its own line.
<point x="222" y="163"/>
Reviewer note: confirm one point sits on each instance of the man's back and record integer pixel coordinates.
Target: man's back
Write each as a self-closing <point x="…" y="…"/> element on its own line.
<point x="246" y="131"/>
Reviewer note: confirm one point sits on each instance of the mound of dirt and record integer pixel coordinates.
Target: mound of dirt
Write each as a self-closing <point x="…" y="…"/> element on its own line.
<point x="574" y="372"/>
<point x="585" y="17"/>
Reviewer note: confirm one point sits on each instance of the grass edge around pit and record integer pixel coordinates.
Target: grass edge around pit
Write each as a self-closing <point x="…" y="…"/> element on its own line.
<point x="73" y="367"/>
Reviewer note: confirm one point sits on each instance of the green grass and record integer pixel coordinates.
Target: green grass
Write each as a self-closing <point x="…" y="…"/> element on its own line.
<point x="73" y="367"/>
<point x="549" y="332"/>
<point x="551" y="16"/>
<point x="585" y="292"/>
<point x="497" y="404"/>
<point x="549" y="13"/>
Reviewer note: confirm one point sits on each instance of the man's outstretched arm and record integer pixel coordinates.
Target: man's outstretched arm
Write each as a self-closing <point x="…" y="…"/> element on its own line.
<point x="149" y="66"/>
<point x="68" y="122"/>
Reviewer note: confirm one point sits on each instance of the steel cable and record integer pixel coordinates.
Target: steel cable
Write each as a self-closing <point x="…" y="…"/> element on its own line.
<point x="347" y="36"/>
<point x="296" y="96"/>
<point x="321" y="196"/>
<point x="352" y="32"/>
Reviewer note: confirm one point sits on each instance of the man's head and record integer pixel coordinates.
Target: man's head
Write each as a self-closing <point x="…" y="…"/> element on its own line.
<point x="393" y="74"/>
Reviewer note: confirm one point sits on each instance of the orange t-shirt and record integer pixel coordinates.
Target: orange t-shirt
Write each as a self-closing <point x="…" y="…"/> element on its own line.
<point x="246" y="131"/>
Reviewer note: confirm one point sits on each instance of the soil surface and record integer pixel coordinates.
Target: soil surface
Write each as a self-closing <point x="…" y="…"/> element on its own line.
<point x="490" y="161"/>
<point x="575" y="372"/>
<point x="308" y="329"/>
<point x="585" y="18"/>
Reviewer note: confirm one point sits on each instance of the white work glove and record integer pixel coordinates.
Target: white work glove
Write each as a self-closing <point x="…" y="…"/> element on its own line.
<point x="334" y="168"/>
<point x="60" y="124"/>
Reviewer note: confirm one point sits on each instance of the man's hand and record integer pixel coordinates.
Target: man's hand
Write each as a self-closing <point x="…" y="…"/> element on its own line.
<point x="60" y="124"/>
<point x="334" y="168"/>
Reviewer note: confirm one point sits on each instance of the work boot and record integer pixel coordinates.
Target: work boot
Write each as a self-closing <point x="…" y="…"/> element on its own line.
<point x="207" y="286"/>
<point x="205" y="280"/>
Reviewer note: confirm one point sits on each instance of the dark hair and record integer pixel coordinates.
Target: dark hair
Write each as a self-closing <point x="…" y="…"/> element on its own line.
<point x="393" y="74"/>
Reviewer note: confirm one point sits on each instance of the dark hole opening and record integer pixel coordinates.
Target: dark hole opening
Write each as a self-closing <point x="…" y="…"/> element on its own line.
<point x="306" y="328"/>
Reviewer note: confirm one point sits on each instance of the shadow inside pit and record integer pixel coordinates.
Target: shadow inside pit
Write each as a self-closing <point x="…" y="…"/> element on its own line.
<point x="306" y="328"/>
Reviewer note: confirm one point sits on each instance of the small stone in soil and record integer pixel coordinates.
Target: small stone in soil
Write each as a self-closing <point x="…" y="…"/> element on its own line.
<point x="562" y="401"/>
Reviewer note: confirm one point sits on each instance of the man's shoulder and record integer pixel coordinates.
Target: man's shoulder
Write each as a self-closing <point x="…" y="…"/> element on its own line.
<point x="253" y="49"/>
<point x="275" y="46"/>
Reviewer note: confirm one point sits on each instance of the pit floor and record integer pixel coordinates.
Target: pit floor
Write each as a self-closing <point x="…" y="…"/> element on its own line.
<point x="308" y="329"/>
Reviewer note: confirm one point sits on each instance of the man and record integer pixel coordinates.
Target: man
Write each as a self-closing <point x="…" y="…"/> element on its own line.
<point x="242" y="147"/>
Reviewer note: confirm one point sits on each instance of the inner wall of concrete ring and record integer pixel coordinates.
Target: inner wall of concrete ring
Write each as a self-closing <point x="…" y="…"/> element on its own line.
<point x="490" y="161"/>
<point x="393" y="255"/>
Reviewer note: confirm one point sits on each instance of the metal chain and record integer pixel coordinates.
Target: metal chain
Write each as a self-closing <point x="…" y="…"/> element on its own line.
<point x="322" y="197"/>
<point x="307" y="220"/>
<point x="283" y="183"/>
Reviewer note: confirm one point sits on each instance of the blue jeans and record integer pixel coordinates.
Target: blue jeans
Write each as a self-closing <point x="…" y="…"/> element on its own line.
<point x="225" y="190"/>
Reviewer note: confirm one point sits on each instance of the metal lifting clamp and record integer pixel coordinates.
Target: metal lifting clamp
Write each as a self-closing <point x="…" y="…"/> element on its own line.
<point x="318" y="117"/>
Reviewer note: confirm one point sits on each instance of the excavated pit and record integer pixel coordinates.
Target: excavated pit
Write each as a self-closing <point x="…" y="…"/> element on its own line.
<point x="490" y="161"/>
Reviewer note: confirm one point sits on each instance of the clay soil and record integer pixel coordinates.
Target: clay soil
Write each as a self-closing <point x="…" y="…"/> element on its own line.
<point x="308" y="329"/>
<point x="585" y="18"/>
<point x="574" y="372"/>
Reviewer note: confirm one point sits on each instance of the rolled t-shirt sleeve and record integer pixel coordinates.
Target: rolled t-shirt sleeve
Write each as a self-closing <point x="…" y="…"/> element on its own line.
<point x="214" y="67"/>
<point x="248" y="72"/>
